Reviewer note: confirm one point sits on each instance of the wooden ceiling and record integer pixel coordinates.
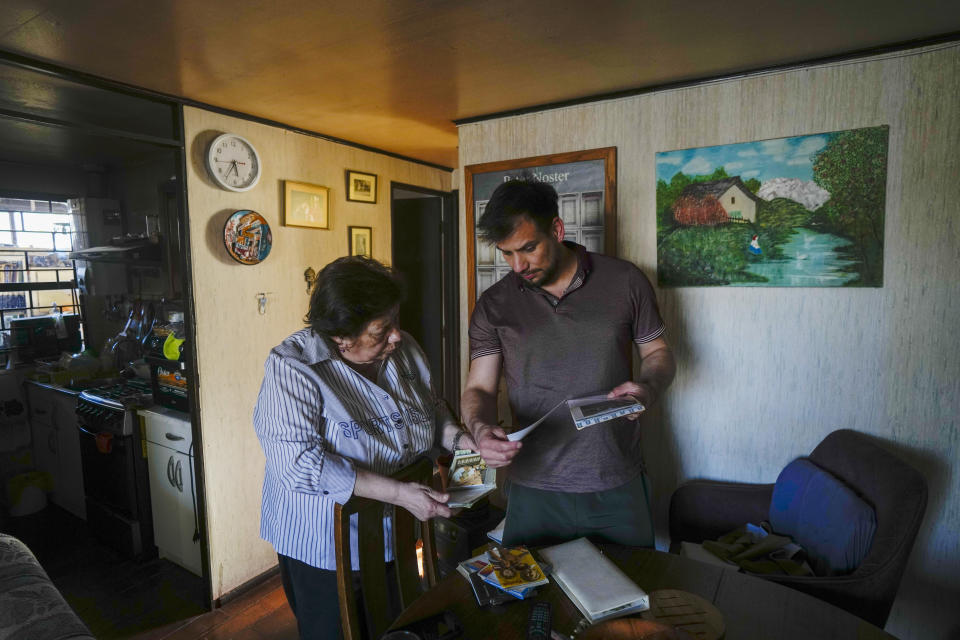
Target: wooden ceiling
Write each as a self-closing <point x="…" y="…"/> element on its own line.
<point x="394" y="74"/>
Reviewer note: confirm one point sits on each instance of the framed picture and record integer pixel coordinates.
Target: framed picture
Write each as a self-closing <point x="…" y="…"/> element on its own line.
<point x="361" y="187"/>
<point x="804" y="211"/>
<point x="586" y="185"/>
<point x="360" y="241"/>
<point x="306" y="205"/>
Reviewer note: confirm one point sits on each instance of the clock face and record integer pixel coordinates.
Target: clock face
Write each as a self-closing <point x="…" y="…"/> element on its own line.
<point x="233" y="163"/>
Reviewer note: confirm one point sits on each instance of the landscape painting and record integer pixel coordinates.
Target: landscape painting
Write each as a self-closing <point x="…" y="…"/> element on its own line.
<point x="806" y="211"/>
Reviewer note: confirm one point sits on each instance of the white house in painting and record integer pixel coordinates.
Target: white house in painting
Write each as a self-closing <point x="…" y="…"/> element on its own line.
<point x="698" y="204"/>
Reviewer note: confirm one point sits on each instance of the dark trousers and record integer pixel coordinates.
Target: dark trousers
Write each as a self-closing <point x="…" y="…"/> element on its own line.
<point x="313" y="597"/>
<point x="312" y="594"/>
<point x="620" y="515"/>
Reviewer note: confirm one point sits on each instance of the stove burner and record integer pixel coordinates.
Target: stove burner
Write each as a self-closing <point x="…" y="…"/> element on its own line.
<point x="122" y="395"/>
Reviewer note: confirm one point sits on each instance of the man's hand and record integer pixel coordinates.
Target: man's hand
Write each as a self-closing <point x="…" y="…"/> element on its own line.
<point x="493" y="446"/>
<point x="657" y="368"/>
<point x="478" y="406"/>
<point x="422" y="501"/>
<point x="640" y="392"/>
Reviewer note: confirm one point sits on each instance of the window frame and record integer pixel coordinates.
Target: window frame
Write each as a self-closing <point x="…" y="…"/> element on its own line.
<point x="26" y="286"/>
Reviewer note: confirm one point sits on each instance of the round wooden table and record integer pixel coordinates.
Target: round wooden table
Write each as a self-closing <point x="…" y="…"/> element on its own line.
<point x="751" y="607"/>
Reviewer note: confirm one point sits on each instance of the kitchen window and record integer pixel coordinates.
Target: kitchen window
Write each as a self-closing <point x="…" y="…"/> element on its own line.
<point x="36" y="276"/>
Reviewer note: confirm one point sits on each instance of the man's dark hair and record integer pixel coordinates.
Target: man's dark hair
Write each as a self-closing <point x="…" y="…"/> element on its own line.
<point x="350" y="292"/>
<point x="513" y="199"/>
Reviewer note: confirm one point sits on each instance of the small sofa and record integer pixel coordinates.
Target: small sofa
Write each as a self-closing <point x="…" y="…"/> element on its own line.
<point x="31" y="608"/>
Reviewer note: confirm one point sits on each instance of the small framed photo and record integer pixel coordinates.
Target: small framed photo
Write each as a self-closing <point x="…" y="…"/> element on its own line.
<point x="306" y="205"/>
<point x="361" y="187"/>
<point x="360" y="241"/>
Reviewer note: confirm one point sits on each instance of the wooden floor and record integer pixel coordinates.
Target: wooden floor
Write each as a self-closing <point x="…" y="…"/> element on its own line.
<point x="260" y="613"/>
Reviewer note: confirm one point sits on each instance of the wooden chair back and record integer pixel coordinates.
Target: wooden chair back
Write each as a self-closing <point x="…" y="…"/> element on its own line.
<point x="373" y="572"/>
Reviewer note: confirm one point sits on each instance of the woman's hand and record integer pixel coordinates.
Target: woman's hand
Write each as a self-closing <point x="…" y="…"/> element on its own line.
<point x="422" y="501"/>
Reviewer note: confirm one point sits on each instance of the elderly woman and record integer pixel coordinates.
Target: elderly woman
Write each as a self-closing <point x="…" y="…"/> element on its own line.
<point x="344" y="403"/>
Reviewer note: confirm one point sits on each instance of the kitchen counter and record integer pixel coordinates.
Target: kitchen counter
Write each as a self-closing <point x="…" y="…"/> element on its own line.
<point x="52" y="410"/>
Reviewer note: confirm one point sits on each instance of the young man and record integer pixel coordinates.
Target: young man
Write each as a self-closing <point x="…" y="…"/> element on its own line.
<point x="562" y="325"/>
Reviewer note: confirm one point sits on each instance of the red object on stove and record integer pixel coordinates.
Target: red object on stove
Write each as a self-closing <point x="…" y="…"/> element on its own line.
<point x="104" y="442"/>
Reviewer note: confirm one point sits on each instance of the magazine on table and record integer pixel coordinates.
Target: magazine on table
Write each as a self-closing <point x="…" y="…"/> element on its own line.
<point x="469" y="479"/>
<point x="513" y="572"/>
<point x="485" y="593"/>
<point x="513" y="569"/>
<point x="587" y="411"/>
<point x="473" y="565"/>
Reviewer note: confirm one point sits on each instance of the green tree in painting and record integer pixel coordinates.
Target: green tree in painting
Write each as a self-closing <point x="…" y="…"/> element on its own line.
<point x="853" y="168"/>
<point x="667" y="193"/>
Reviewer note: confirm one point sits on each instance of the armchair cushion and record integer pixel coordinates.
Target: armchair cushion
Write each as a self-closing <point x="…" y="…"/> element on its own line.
<point x="824" y="516"/>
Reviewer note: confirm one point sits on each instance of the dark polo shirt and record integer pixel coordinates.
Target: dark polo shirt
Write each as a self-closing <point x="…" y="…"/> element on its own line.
<point x="569" y="347"/>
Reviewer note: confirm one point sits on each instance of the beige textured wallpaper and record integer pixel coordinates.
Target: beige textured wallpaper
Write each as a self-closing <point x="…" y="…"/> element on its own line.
<point x="766" y="373"/>
<point x="233" y="338"/>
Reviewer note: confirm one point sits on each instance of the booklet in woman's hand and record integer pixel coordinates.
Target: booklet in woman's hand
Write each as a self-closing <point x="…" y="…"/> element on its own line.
<point x="470" y="479"/>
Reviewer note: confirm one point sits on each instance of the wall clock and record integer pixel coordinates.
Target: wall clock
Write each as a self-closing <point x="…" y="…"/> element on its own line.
<point x="233" y="163"/>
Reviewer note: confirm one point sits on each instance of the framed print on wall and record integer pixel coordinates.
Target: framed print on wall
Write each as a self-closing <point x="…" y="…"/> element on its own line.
<point x="306" y="205"/>
<point x="803" y="211"/>
<point x="586" y="185"/>
<point x="360" y="241"/>
<point x="361" y="187"/>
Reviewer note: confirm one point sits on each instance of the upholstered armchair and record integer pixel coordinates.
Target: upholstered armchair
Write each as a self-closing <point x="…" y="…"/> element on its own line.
<point x="30" y="606"/>
<point x="705" y="510"/>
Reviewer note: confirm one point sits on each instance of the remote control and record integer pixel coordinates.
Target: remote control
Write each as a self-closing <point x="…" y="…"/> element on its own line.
<point x="538" y="627"/>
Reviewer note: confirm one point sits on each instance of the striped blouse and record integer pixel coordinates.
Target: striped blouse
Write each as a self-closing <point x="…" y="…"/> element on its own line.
<point x="318" y="421"/>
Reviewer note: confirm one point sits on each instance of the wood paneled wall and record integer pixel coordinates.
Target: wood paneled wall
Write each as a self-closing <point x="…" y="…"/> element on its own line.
<point x="233" y="338"/>
<point x="766" y="373"/>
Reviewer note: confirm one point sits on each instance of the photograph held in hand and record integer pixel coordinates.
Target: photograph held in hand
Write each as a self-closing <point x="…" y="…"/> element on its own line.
<point x="588" y="411"/>
<point x="469" y="479"/>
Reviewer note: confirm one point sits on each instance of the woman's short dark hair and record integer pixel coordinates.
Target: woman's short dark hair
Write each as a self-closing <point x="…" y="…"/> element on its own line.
<point x="350" y="292"/>
<point x="513" y="199"/>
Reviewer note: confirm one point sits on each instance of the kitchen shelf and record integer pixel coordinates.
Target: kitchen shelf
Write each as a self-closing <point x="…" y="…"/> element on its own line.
<point x="146" y="254"/>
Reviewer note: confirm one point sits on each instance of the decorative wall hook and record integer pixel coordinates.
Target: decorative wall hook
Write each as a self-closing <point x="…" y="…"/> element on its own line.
<point x="310" y="276"/>
<point x="262" y="301"/>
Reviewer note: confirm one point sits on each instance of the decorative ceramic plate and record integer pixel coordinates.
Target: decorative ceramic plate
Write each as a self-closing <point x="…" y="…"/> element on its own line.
<point x="247" y="237"/>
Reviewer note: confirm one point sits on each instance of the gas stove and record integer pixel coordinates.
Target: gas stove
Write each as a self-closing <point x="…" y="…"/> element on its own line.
<point x="112" y="407"/>
<point x="123" y="394"/>
<point x="115" y="474"/>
